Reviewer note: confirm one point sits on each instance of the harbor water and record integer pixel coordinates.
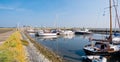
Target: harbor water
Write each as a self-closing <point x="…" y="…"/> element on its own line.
<point x="70" y="47"/>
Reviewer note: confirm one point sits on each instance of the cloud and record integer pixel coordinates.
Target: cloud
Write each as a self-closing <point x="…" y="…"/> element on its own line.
<point x="11" y="8"/>
<point x="6" y="8"/>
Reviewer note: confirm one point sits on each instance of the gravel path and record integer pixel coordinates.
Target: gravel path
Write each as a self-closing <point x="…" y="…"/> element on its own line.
<point x="32" y="52"/>
<point x="4" y="36"/>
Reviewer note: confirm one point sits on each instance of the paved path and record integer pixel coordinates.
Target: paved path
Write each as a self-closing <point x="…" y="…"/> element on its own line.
<point x="4" y="36"/>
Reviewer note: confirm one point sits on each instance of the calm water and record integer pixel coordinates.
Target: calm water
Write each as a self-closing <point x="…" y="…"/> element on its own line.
<point x="70" y="47"/>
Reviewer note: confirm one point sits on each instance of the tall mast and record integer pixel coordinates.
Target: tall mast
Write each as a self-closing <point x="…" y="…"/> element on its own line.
<point x="110" y="19"/>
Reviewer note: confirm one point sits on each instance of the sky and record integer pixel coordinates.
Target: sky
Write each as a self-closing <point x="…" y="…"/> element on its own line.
<point x="55" y="13"/>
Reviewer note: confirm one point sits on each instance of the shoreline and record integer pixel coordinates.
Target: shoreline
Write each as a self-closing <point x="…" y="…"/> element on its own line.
<point x="44" y="51"/>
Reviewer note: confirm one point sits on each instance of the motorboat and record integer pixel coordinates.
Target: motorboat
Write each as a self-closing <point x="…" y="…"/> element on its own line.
<point x="67" y="32"/>
<point x="95" y="58"/>
<point x="83" y="31"/>
<point x="117" y="34"/>
<point x="42" y="33"/>
<point x="30" y="30"/>
<point x="116" y="40"/>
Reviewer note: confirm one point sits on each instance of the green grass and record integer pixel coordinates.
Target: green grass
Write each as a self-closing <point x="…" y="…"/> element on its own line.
<point x="12" y="49"/>
<point x="25" y="43"/>
<point x="6" y="56"/>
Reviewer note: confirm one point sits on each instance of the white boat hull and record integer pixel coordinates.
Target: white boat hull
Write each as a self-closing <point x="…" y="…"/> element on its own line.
<point x="47" y="34"/>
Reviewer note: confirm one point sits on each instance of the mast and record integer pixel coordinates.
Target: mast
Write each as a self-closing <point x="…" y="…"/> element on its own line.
<point x="110" y="9"/>
<point x="55" y="24"/>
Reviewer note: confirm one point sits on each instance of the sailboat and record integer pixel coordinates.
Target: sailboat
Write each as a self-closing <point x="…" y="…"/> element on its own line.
<point x="103" y="47"/>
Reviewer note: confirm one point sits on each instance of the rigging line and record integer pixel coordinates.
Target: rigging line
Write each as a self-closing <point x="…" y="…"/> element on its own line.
<point x="115" y="23"/>
<point x="116" y="12"/>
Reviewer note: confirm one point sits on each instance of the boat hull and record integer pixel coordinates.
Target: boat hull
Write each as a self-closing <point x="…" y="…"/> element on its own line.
<point x="87" y="52"/>
<point x="47" y="34"/>
<point x="82" y="33"/>
<point x="117" y="34"/>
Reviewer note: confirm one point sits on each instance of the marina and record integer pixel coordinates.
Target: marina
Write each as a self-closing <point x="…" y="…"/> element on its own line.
<point x="71" y="49"/>
<point x="60" y="31"/>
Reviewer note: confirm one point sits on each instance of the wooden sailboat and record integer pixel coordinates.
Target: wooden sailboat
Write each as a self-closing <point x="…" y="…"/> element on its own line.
<point x="103" y="47"/>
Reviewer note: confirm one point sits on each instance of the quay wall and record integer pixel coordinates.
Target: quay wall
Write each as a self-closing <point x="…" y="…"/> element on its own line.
<point x="104" y="31"/>
<point x="43" y="50"/>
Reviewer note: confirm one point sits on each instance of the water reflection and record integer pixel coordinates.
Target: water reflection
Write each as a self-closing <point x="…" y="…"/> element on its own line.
<point x="113" y="58"/>
<point x="71" y="47"/>
<point x="68" y="36"/>
<point x="85" y="36"/>
<point x="47" y="37"/>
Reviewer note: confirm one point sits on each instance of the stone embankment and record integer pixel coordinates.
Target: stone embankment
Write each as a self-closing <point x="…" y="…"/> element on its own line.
<point x="32" y="52"/>
<point x="38" y="53"/>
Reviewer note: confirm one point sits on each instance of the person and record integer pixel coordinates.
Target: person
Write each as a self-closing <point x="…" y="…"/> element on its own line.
<point x="103" y="47"/>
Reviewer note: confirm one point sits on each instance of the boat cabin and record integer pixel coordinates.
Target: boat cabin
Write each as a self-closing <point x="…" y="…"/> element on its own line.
<point x="101" y="46"/>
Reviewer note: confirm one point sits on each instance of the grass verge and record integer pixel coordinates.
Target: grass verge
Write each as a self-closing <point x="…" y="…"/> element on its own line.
<point x="12" y="50"/>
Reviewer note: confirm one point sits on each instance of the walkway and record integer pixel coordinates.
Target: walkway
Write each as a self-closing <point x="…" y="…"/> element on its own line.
<point x="4" y="36"/>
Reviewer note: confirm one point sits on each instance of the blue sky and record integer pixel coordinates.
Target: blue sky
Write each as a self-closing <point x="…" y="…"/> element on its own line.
<point x="51" y="13"/>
